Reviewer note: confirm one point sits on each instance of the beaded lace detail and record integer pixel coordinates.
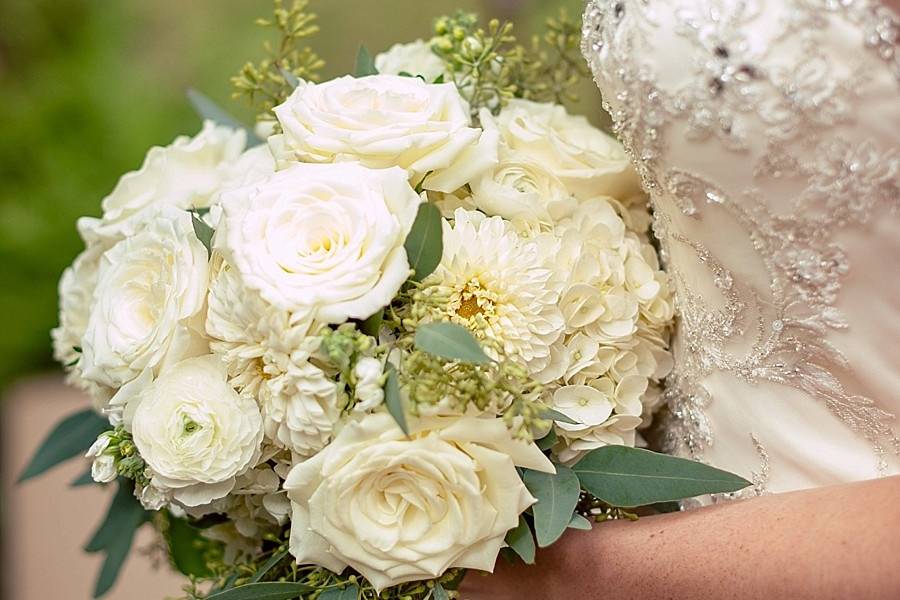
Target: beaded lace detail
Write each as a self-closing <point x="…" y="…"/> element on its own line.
<point x="787" y="114"/>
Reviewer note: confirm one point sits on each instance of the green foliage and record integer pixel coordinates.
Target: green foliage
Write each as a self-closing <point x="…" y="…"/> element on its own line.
<point x="115" y="535"/>
<point x="424" y="243"/>
<point x="188" y="549"/>
<point x="579" y="522"/>
<point x="269" y="82"/>
<point x="521" y="540"/>
<point x="265" y="591"/>
<point x="557" y="495"/>
<point x="203" y="232"/>
<point x="206" y="108"/>
<point x="450" y="341"/>
<point x="392" y="398"/>
<point x="72" y="436"/>
<point x="490" y="66"/>
<point x="629" y="477"/>
<point x="365" y="64"/>
<point x="351" y="592"/>
<point x="439" y="593"/>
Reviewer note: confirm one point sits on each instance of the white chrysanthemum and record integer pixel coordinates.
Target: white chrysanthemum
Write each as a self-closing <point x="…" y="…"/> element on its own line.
<point x="500" y="285"/>
<point x="300" y="408"/>
<point x="267" y="352"/>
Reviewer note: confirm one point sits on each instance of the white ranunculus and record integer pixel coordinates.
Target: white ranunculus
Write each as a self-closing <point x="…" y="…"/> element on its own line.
<point x="588" y="161"/>
<point x="382" y="121"/>
<point x="185" y="174"/>
<point x="322" y="238"/>
<point x="401" y="508"/>
<point x="415" y="58"/>
<point x="369" y="384"/>
<point x="194" y="431"/>
<point x="150" y="288"/>
<point x="520" y="187"/>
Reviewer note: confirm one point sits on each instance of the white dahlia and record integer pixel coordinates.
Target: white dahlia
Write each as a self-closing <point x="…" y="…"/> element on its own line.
<point x="267" y="352"/>
<point x="500" y="285"/>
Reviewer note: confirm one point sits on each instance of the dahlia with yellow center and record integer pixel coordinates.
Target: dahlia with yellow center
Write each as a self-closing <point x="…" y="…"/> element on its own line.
<point x="499" y="285"/>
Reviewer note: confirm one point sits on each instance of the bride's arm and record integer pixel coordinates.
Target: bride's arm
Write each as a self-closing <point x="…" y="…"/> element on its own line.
<point x="837" y="542"/>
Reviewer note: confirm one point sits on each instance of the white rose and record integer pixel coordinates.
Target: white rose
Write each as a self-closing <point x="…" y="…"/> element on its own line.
<point x="194" y="431"/>
<point x="398" y="508"/>
<point x="185" y="174"/>
<point x="588" y="161"/>
<point x="415" y="58"/>
<point x="150" y="286"/>
<point x="327" y="238"/>
<point x="383" y="121"/>
<point x="369" y="384"/>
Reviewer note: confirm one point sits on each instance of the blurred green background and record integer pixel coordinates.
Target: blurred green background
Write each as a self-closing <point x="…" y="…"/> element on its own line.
<point x="87" y="86"/>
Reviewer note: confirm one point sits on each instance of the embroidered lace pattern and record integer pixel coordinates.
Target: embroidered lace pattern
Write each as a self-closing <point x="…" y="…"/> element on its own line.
<point x="786" y="114"/>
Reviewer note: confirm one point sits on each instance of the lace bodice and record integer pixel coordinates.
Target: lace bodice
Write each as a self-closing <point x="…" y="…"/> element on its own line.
<point x="767" y="133"/>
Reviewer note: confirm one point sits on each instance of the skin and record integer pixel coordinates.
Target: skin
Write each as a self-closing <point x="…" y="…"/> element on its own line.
<point x="836" y="542"/>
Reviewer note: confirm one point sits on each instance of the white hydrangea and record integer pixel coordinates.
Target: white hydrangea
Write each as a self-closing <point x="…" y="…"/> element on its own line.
<point x="500" y="285"/>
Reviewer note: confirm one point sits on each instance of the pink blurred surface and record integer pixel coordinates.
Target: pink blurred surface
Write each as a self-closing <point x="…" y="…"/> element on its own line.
<point x="46" y="522"/>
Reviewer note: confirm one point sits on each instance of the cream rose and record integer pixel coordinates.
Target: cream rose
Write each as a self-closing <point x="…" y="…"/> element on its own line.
<point x="383" y="121"/>
<point x="194" y="431"/>
<point x="327" y="238"/>
<point x="588" y="161"/>
<point x="415" y="58"/>
<point x="398" y="508"/>
<point x="150" y="288"/>
<point x="185" y="174"/>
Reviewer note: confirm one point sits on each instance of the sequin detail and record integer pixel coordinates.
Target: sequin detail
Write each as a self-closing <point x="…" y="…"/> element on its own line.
<point x="782" y="111"/>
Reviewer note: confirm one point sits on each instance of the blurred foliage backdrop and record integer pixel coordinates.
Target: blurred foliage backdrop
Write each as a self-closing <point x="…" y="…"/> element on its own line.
<point x="87" y="86"/>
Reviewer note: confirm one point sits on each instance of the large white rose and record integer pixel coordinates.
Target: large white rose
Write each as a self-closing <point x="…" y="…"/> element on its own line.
<point x="383" y="121"/>
<point x="327" y="238"/>
<point x="398" y="508"/>
<point x="415" y="58"/>
<point x="150" y="287"/>
<point x="588" y="161"/>
<point x="185" y="174"/>
<point x="194" y="431"/>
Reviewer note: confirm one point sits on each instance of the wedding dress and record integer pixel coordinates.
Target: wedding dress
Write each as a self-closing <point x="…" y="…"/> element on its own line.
<point x="767" y="134"/>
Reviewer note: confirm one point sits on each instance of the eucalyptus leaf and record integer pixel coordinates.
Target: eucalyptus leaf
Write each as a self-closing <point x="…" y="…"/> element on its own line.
<point x="207" y="109"/>
<point x="281" y="590"/>
<point x="546" y="442"/>
<point x="115" y="535"/>
<point x="365" y="64"/>
<point x="71" y="436"/>
<point x="439" y="593"/>
<point x="185" y="548"/>
<point x="555" y="415"/>
<point x="269" y="565"/>
<point x="424" y="244"/>
<point x="579" y="522"/>
<point x="557" y="495"/>
<point x="84" y="479"/>
<point x="521" y="541"/>
<point x="372" y="325"/>
<point x="291" y="79"/>
<point x="451" y="341"/>
<point x="203" y="232"/>
<point x="628" y="477"/>
<point x="351" y="592"/>
<point x="392" y="398"/>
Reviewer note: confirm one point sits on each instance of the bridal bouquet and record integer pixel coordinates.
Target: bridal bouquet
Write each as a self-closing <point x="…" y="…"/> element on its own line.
<point x="410" y="321"/>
